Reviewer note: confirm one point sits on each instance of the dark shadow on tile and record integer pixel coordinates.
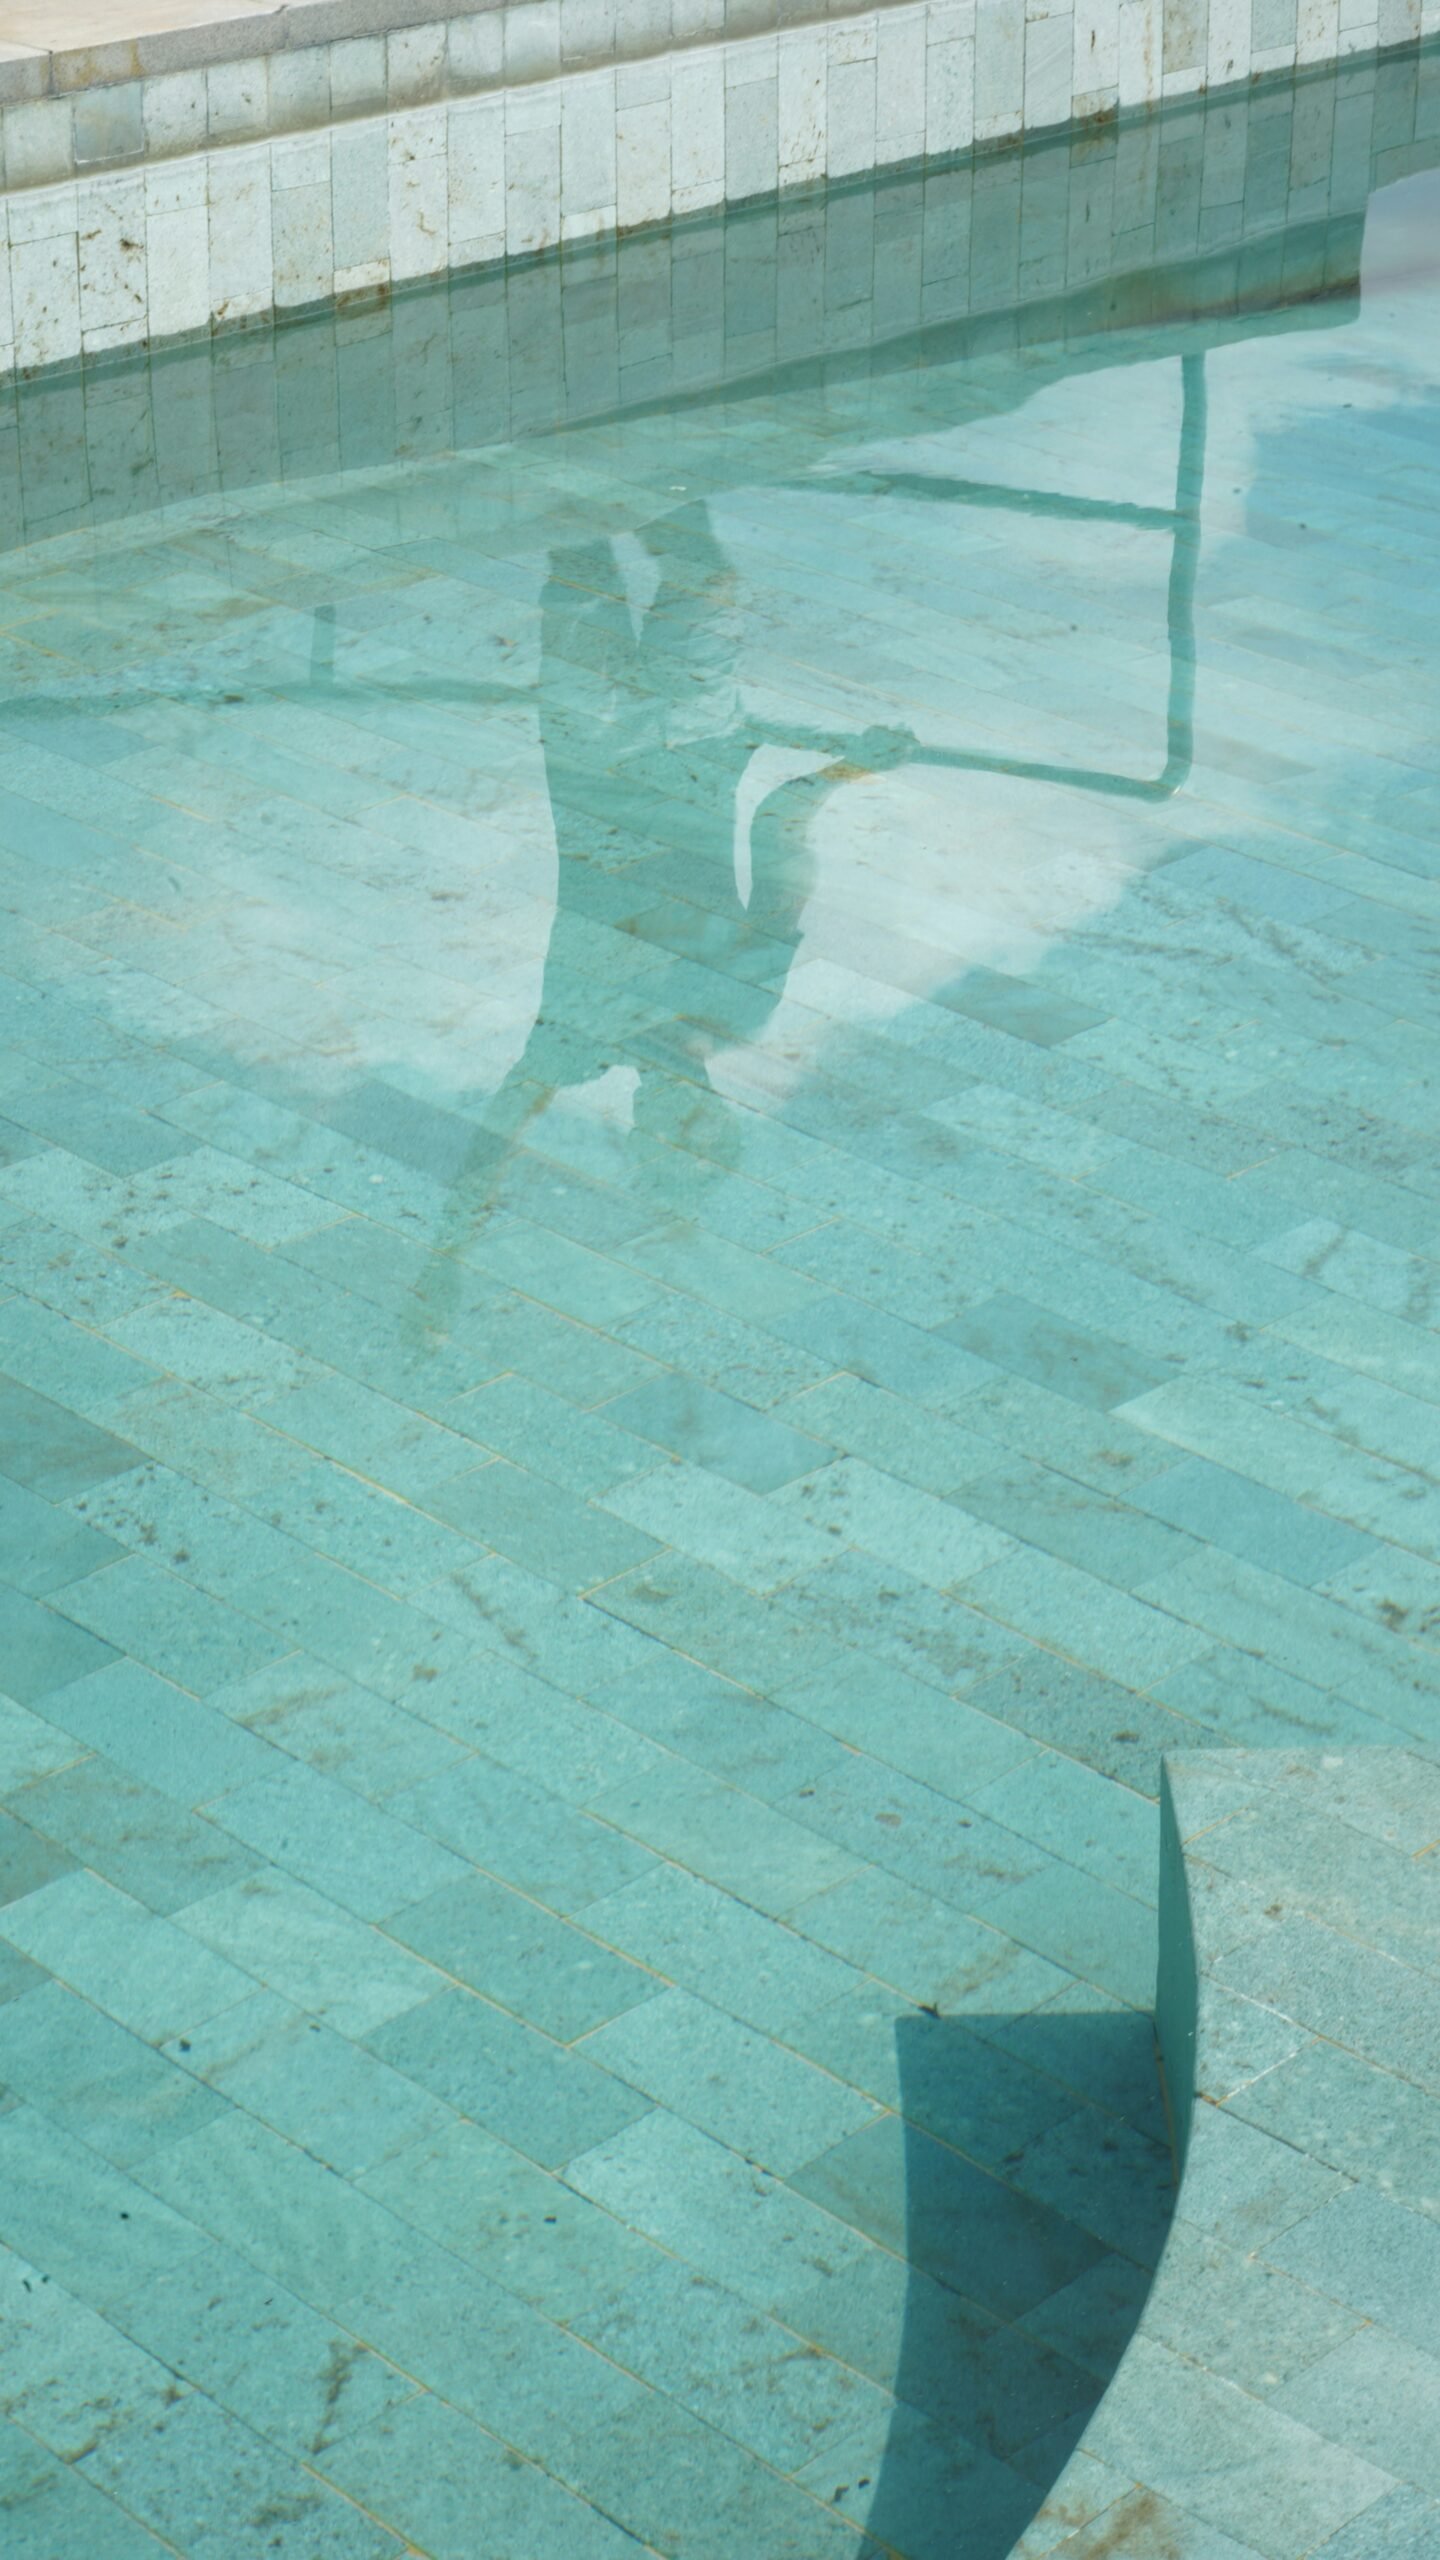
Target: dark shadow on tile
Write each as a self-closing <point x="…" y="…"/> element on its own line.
<point x="1038" y="2184"/>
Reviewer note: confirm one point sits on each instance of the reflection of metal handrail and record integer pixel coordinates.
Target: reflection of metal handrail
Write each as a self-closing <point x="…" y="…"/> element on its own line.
<point x="1182" y="522"/>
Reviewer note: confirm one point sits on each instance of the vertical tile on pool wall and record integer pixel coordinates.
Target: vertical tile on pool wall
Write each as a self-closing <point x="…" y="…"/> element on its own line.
<point x="752" y="163"/>
<point x="45" y="275"/>
<point x="1095" y="57"/>
<point x="1140" y="51"/>
<point x="850" y="100"/>
<point x="177" y="264"/>
<point x="642" y="143"/>
<point x="1227" y="42"/>
<point x="697" y="129"/>
<point x="301" y="219"/>
<point x="900" y="47"/>
<point x="999" y="68"/>
<point x="1049" y="61"/>
<point x="803" y="66"/>
<point x="242" y="272"/>
<point x="950" y="78"/>
<point x="360" y="200"/>
<point x="110" y="212"/>
<point x="587" y="154"/>
<point x="419" y="194"/>
<point x="532" y="169"/>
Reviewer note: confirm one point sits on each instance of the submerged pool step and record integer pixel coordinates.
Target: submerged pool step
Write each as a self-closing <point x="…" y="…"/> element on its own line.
<point x="1281" y="2395"/>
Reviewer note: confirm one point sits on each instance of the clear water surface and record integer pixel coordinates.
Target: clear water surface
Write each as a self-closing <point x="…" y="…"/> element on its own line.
<point x="720" y="1185"/>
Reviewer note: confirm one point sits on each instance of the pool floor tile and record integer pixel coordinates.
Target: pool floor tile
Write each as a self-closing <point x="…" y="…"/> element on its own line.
<point x="716" y="1193"/>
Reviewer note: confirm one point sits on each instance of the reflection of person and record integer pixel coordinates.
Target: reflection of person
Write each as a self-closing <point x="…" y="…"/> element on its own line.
<point x="627" y="720"/>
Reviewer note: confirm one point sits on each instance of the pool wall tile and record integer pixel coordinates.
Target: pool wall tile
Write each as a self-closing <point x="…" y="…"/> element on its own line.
<point x="312" y="171"/>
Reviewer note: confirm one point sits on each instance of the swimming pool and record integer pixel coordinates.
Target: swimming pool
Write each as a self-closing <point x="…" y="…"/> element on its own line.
<point x="719" y="1187"/>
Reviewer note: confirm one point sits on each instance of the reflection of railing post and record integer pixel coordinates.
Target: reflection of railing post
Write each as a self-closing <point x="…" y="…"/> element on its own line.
<point x="1181" y="521"/>
<point x="322" y="646"/>
<point x="1184" y="563"/>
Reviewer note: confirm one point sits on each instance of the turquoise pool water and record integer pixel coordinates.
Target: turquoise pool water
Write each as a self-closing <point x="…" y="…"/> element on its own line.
<point x="718" y="1185"/>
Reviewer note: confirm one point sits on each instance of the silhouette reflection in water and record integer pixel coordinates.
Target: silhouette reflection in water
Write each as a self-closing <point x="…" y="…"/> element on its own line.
<point x="646" y="746"/>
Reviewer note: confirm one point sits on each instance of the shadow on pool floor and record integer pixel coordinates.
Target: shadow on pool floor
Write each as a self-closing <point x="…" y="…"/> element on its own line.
<point x="1029" y="2182"/>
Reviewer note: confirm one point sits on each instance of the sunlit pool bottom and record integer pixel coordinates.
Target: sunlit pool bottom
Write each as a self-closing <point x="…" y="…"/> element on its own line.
<point x="721" y="1178"/>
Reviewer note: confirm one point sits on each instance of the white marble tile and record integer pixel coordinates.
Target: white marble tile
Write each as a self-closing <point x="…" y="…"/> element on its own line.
<point x="303" y="244"/>
<point x="43" y="213"/>
<point x="300" y="160"/>
<point x="1183" y="42"/>
<point x="532" y="172"/>
<point x="999" y="68"/>
<point x="900" y="84"/>
<point x="1049" y="53"/>
<point x="642" y="162"/>
<point x="300" y="88"/>
<point x="476" y="52"/>
<point x="108" y="124"/>
<point x="800" y="119"/>
<point x="697" y="130"/>
<point x="1095" y="52"/>
<point x="418" y="192"/>
<point x="1227" y="42"/>
<point x="642" y="84"/>
<point x="476" y="167"/>
<point x="596" y="223"/>
<point x="104" y="342"/>
<point x="175" y="111"/>
<point x="587" y="143"/>
<point x="357" y="76"/>
<point x="176" y="186"/>
<point x="950" y="95"/>
<point x="45" y="287"/>
<point x="372" y="272"/>
<point x="532" y="40"/>
<point x="587" y="33"/>
<point x="237" y="100"/>
<point x="692" y="19"/>
<point x="1140" y="39"/>
<point x="39" y="142"/>
<point x="755" y="58"/>
<point x="855" y="41"/>
<point x="850" y="116"/>
<point x="360" y="194"/>
<point x="415" y="64"/>
<point x="177" y="266"/>
<point x="1317" y="26"/>
<point x="751" y="137"/>
<point x="7" y="306"/>
<point x="242" y="266"/>
<point x="643" y="29"/>
<point x="110" y="215"/>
